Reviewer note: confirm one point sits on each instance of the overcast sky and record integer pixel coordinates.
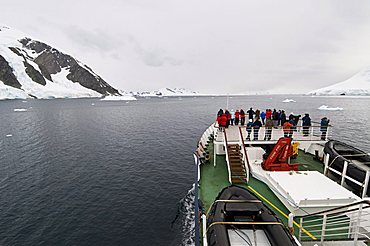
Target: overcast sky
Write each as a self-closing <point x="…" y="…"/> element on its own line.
<point x="236" y="46"/>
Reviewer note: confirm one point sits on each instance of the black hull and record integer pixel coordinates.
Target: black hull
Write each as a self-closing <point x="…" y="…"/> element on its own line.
<point x="340" y="152"/>
<point x="217" y="235"/>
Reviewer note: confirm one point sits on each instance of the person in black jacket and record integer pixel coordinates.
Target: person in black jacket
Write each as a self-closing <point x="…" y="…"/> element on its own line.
<point x="283" y="117"/>
<point x="250" y="113"/>
<point x="242" y="117"/>
<point x="306" y="123"/>
<point x="220" y="112"/>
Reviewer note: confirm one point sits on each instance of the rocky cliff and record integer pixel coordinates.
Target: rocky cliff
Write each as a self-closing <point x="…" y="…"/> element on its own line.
<point x="36" y="69"/>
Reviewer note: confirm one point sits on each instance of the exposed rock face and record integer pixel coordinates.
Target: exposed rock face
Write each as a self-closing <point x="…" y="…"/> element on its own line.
<point x="7" y="75"/>
<point x="34" y="74"/>
<point x="52" y="61"/>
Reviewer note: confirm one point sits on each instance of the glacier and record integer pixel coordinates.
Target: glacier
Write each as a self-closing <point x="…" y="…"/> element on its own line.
<point x="357" y="85"/>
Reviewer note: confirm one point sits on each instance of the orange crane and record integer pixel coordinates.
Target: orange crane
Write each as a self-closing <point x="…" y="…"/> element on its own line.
<point x="277" y="159"/>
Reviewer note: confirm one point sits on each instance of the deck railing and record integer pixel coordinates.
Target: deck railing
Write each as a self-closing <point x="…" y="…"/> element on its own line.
<point x="364" y="184"/>
<point x="313" y="133"/>
<point x="349" y="223"/>
<point x="245" y="155"/>
<point x="299" y="133"/>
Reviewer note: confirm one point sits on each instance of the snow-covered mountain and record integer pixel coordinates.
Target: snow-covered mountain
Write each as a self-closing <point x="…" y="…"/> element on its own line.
<point x="30" y="68"/>
<point x="358" y="85"/>
<point x="167" y="92"/>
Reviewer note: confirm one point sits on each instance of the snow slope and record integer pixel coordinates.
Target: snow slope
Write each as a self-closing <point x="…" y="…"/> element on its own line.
<point x="358" y="85"/>
<point x="19" y="56"/>
<point x="168" y="92"/>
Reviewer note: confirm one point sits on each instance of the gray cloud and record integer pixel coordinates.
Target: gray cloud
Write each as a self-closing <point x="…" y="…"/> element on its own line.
<point x="155" y="57"/>
<point x="209" y="46"/>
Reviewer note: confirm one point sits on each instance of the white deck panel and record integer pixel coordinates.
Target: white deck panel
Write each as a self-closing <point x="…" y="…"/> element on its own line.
<point x="311" y="188"/>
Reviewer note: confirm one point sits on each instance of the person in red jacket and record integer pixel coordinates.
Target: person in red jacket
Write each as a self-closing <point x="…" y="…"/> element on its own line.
<point x="237" y="115"/>
<point x="268" y="113"/>
<point x="222" y="121"/>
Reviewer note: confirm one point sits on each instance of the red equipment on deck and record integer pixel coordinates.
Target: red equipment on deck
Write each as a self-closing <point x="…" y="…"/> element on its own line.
<point x="276" y="161"/>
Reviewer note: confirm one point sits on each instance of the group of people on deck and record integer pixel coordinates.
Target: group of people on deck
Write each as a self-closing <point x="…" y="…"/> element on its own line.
<point x="270" y="119"/>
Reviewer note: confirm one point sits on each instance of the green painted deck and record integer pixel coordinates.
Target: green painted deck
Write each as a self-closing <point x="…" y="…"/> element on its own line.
<point x="215" y="178"/>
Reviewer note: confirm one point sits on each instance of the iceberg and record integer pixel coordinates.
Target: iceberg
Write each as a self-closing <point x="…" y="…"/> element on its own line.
<point x="325" y="107"/>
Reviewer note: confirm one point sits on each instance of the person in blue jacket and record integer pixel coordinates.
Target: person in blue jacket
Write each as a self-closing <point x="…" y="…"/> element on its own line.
<point x="249" y="129"/>
<point x="324" y="127"/>
<point x="256" y="127"/>
<point x="263" y="117"/>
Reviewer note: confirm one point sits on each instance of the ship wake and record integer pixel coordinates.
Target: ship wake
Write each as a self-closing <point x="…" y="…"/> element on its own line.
<point x="186" y="218"/>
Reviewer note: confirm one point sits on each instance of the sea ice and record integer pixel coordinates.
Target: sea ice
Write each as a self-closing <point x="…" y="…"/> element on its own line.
<point x="288" y="100"/>
<point x="326" y="107"/>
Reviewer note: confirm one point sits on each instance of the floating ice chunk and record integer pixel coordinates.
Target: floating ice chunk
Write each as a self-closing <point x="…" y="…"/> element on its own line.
<point x="288" y="100"/>
<point x="9" y="135"/>
<point x="326" y="107"/>
<point x="93" y="104"/>
<point x="20" y="110"/>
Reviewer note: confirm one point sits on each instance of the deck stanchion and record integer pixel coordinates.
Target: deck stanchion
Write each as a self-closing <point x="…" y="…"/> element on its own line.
<point x="300" y="229"/>
<point x="366" y="184"/>
<point x="204" y="229"/>
<point x="214" y="154"/>
<point x="323" y="228"/>
<point x="357" y="228"/>
<point x="344" y="173"/>
<point x="326" y="162"/>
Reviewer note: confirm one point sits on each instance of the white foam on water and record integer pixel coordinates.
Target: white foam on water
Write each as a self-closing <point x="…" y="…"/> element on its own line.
<point x="188" y="211"/>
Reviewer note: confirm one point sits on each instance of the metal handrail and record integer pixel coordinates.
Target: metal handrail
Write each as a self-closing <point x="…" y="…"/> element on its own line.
<point x="227" y="156"/>
<point x="196" y="202"/>
<point x="338" y="208"/>
<point x="245" y="153"/>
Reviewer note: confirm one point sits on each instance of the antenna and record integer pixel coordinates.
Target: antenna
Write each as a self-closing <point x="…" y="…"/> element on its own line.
<point x="227" y="101"/>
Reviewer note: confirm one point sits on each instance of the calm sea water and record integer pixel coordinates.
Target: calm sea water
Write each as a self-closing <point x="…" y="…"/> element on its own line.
<point x="87" y="172"/>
